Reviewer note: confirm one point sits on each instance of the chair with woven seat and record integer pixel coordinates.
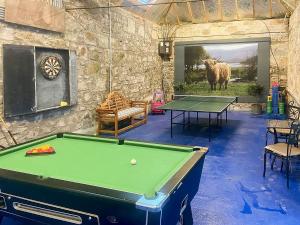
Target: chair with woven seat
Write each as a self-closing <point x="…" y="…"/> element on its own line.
<point x="281" y="134"/>
<point x="285" y="150"/>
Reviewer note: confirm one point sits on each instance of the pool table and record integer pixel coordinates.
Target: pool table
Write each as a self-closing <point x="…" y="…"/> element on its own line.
<point x="92" y="180"/>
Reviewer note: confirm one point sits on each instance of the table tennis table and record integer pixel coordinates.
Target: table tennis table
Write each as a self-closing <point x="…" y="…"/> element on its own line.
<point x="199" y="104"/>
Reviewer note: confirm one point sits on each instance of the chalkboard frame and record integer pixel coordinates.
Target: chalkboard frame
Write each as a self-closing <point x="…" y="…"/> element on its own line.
<point x="20" y="83"/>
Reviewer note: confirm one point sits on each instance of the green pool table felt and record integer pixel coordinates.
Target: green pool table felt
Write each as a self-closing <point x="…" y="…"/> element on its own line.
<point x="100" y="162"/>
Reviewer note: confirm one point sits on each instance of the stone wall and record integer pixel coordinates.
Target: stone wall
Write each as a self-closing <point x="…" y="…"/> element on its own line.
<point x="276" y="29"/>
<point x="168" y="78"/>
<point x="136" y="66"/>
<point x="294" y="56"/>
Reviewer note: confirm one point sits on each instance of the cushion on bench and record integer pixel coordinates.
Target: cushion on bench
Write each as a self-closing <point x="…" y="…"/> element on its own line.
<point x="128" y="112"/>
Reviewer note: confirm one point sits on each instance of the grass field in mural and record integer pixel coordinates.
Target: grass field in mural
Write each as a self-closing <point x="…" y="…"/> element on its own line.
<point x="203" y="88"/>
<point x="219" y="69"/>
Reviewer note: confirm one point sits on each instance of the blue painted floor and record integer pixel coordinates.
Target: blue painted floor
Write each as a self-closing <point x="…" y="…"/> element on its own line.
<point x="232" y="189"/>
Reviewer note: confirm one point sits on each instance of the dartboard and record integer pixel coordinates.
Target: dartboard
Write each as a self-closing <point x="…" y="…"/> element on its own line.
<point x="50" y="67"/>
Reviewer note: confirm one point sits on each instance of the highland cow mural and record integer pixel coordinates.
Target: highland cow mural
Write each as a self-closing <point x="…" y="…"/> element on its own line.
<point x="219" y="69"/>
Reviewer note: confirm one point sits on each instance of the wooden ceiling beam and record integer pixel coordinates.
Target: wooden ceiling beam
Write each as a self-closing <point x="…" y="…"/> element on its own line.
<point x="167" y="12"/>
<point x="289" y="7"/>
<point x="220" y="9"/>
<point x="163" y="15"/>
<point x="270" y="8"/>
<point x="174" y="12"/>
<point x="205" y="11"/>
<point x="178" y="20"/>
<point x="175" y="8"/>
<point x="253" y="9"/>
<point x="237" y="10"/>
<point x="190" y="11"/>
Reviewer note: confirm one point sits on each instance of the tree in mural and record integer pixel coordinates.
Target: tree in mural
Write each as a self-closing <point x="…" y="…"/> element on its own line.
<point x="251" y="68"/>
<point x="193" y="61"/>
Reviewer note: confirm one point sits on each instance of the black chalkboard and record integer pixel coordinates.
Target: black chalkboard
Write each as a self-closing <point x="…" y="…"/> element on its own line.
<point x="18" y="80"/>
<point x="50" y="93"/>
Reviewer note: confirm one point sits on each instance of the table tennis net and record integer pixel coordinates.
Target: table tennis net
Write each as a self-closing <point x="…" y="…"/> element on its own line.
<point x="205" y="98"/>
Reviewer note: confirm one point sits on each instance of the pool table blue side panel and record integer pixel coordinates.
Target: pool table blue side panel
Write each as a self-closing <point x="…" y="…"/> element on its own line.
<point x="90" y="203"/>
<point x="186" y="190"/>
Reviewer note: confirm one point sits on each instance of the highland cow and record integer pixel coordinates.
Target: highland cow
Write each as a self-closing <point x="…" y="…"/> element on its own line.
<point x="217" y="73"/>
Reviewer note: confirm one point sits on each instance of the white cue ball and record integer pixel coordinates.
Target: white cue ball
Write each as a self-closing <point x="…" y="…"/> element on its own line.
<point x="133" y="162"/>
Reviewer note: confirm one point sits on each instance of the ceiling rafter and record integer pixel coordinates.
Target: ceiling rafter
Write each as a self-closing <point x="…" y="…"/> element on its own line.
<point x="288" y="6"/>
<point x="270" y="8"/>
<point x="164" y="16"/>
<point x="182" y="11"/>
<point x="190" y="12"/>
<point x="131" y="5"/>
<point x="175" y="8"/>
<point x="253" y="9"/>
<point x="160" y="16"/>
<point x="174" y="12"/>
<point x="205" y="11"/>
<point x="220" y="9"/>
<point x="237" y="13"/>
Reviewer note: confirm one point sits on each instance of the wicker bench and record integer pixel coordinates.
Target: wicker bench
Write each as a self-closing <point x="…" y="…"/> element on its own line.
<point x="117" y="108"/>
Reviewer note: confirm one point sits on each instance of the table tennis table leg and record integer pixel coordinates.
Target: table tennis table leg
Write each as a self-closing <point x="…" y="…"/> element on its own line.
<point x="197" y="116"/>
<point x="171" y="123"/>
<point x="209" y="127"/>
<point x="226" y="115"/>
<point x="183" y="126"/>
<point x="221" y="120"/>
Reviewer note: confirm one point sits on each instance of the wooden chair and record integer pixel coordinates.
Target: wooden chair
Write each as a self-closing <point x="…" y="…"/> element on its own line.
<point x="117" y="108"/>
<point x="285" y="150"/>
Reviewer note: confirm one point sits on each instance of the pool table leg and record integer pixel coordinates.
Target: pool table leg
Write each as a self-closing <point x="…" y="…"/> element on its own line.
<point x="187" y="216"/>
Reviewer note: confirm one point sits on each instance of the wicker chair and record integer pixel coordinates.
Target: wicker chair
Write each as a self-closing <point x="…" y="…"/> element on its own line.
<point x="117" y="108"/>
<point x="286" y="150"/>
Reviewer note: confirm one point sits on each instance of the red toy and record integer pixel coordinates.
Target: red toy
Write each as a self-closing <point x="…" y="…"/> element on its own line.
<point x="158" y="100"/>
